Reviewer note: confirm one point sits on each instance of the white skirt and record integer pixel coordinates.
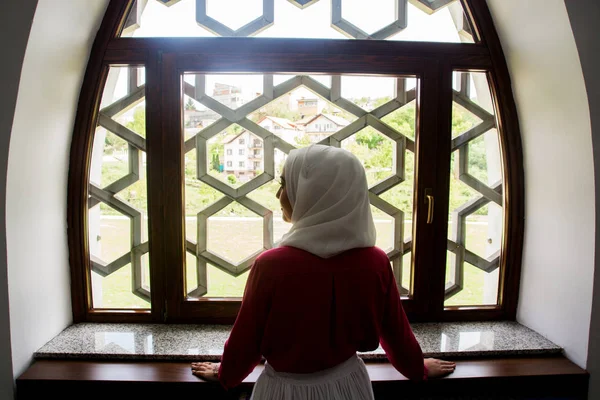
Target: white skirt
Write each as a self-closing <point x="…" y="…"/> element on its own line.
<point x="346" y="381"/>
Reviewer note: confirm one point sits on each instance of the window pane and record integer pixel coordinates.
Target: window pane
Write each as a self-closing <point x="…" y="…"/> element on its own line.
<point x="232" y="168"/>
<point x="476" y="199"/>
<point x="415" y="20"/>
<point x="118" y="212"/>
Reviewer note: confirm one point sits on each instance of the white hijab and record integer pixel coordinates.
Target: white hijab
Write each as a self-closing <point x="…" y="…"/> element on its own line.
<point x="328" y="191"/>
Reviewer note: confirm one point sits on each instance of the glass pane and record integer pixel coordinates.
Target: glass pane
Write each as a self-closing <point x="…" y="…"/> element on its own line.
<point x="235" y="233"/>
<point x="425" y="20"/>
<point x="221" y="284"/>
<point x="476" y="200"/>
<point x="118" y="211"/>
<point x="233" y="230"/>
<point x="234" y="91"/>
<point x="376" y="151"/>
<point x="235" y="156"/>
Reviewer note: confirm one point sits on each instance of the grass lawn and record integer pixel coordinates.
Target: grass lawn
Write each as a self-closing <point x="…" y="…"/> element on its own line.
<point x="237" y="238"/>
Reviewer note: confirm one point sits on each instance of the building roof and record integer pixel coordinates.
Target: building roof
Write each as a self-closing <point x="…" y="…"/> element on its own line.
<point x="284" y="122"/>
<point x="339" y="121"/>
<point x="230" y="138"/>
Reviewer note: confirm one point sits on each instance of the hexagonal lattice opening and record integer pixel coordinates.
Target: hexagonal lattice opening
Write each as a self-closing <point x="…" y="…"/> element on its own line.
<point x="233" y="91"/>
<point x="191" y="275"/>
<point x="407" y="272"/>
<point x="136" y="194"/>
<point x="235" y="233"/>
<point x="145" y="278"/>
<point x="114" y="164"/>
<point x="462" y="120"/>
<point x="245" y="11"/>
<point x="484" y="230"/>
<point x="478" y="288"/>
<point x="218" y="283"/>
<point x="403" y="120"/>
<point x="324" y="80"/>
<point x="196" y="116"/>
<point x="114" y="291"/>
<point x="221" y="284"/>
<point x="134" y="118"/>
<point x="376" y="151"/>
<point x="114" y="233"/>
<point x="235" y="156"/>
<point x="401" y="196"/>
<point x="369" y="16"/>
<point x="368" y="92"/>
<point x="198" y="196"/>
<point x="384" y="225"/>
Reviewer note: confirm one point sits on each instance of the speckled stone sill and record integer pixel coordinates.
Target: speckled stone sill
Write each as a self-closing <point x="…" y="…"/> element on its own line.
<point x="205" y="342"/>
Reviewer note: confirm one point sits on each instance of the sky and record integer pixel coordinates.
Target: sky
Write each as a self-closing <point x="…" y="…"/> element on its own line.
<point x="179" y="20"/>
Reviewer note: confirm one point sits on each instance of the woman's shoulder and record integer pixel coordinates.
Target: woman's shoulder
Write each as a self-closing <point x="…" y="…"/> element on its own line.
<point x="279" y="253"/>
<point x="373" y="253"/>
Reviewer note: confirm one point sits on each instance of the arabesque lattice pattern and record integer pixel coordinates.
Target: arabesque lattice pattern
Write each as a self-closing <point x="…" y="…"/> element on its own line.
<point x="136" y="146"/>
<point x="486" y="194"/>
<point x="271" y="142"/>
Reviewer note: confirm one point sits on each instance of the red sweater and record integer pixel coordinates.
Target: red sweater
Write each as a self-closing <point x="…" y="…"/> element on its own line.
<point x="304" y="314"/>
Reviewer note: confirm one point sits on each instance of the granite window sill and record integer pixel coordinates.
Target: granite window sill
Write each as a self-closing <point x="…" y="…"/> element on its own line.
<point x="145" y="342"/>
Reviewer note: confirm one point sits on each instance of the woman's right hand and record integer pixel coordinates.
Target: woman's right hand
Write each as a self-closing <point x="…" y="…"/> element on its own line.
<point x="438" y="368"/>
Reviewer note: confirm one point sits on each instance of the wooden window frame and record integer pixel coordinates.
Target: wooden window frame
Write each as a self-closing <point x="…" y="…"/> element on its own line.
<point x="432" y="62"/>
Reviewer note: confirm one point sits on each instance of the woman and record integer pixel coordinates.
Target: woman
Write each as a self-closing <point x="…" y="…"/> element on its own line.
<point x="323" y="295"/>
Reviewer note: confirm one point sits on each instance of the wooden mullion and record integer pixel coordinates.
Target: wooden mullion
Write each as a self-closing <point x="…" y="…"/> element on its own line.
<point x="80" y="159"/>
<point x="512" y="161"/>
<point x="154" y="173"/>
<point x="302" y="63"/>
<point x="426" y="170"/>
<point x="290" y="46"/>
<point x="172" y="187"/>
<point x="442" y="190"/>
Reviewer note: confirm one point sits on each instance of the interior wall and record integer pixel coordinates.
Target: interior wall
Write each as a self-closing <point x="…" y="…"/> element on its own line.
<point x="36" y="191"/>
<point x="550" y="94"/>
<point x="15" y="20"/>
<point x="584" y="16"/>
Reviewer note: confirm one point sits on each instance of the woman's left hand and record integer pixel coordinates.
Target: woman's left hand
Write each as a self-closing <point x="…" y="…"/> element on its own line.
<point x="206" y="370"/>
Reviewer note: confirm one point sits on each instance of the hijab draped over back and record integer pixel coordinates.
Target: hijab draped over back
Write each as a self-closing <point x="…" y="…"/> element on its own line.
<point x="327" y="188"/>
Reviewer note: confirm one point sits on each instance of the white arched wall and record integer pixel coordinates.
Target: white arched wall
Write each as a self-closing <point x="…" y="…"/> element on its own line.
<point x="16" y="24"/>
<point x="36" y="191"/>
<point x="584" y="16"/>
<point x="550" y="94"/>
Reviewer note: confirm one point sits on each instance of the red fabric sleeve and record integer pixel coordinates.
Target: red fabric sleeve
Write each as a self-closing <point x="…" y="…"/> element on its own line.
<point x="397" y="338"/>
<point x="242" y="349"/>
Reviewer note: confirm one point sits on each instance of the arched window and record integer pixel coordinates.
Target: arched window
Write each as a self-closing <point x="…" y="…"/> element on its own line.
<point x="175" y="157"/>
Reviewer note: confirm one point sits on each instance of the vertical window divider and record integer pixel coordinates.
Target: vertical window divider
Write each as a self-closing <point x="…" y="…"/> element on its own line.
<point x="171" y="189"/>
<point x="156" y="209"/>
<point x="427" y="273"/>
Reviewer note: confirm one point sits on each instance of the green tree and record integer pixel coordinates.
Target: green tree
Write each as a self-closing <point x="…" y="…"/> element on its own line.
<point x="277" y="109"/>
<point x="216" y="164"/>
<point x="190" y="105"/>
<point x="302" y="141"/>
<point x="138" y="125"/>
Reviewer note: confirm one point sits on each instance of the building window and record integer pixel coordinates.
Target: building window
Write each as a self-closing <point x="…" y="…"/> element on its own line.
<point x="453" y="243"/>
